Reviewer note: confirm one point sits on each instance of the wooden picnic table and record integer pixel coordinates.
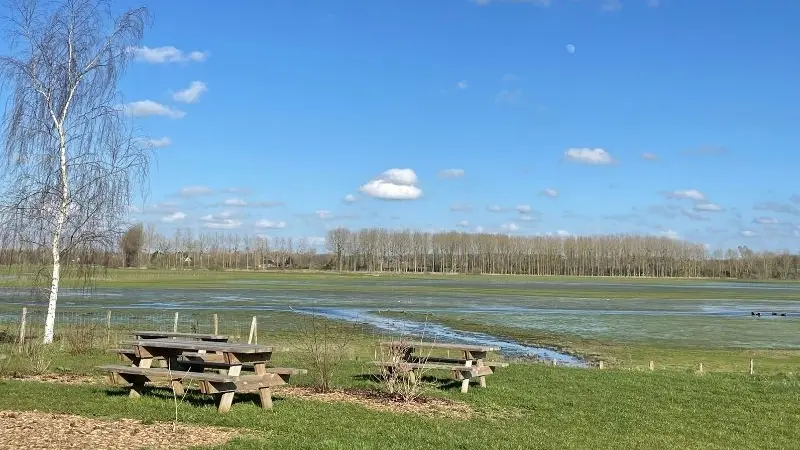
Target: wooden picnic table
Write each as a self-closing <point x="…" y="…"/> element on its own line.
<point x="226" y="359"/>
<point x="471" y="364"/>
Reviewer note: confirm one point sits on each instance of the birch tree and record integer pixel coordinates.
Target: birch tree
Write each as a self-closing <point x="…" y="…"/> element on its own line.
<point x="69" y="158"/>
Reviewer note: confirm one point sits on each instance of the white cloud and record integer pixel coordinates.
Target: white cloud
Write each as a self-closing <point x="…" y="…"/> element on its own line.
<point x="195" y="191"/>
<point x="495" y="208"/>
<point x="524" y="209"/>
<point x="451" y="173"/>
<point x="766" y="220"/>
<point x="223" y="224"/>
<point x="463" y="224"/>
<point x="592" y="156"/>
<point x="271" y="224"/>
<point x="234" y="202"/>
<point x="689" y="194"/>
<point x="191" y="94"/>
<point x="174" y="217"/>
<point x="323" y="214"/>
<point x="394" y="184"/>
<point x="670" y="234"/>
<point x="462" y="84"/>
<point x="159" y="142"/>
<point x="511" y="226"/>
<point x="649" y="156"/>
<point x="710" y="207"/>
<point x="146" y="108"/>
<point x="508" y="96"/>
<point x="167" y="54"/>
<point x="748" y="233"/>
<point x="542" y="3"/>
<point x="349" y="199"/>
<point x="479" y="229"/>
<point x="552" y="193"/>
<point x="563" y="233"/>
<point x="611" y="5"/>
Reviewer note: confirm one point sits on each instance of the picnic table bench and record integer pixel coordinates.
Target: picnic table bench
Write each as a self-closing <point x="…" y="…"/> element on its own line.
<point x="187" y="360"/>
<point x="470" y="365"/>
<point x="139" y="335"/>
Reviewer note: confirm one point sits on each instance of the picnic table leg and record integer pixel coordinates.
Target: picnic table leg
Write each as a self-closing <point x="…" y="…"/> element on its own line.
<point x="479" y="357"/>
<point x="264" y="393"/>
<point x="226" y="399"/>
<point x="465" y="381"/>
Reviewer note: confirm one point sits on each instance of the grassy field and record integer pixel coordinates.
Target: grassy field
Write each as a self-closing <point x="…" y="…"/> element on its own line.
<point x="524" y="406"/>
<point x="527" y="405"/>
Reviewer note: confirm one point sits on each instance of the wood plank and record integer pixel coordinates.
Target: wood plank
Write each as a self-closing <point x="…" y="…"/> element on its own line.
<point x="436" y="359"/>
<point x="168" y="374"/>
<point x="224" y="347"/>
<point x="443" y="346"/>
<point x="472" y="370"/>
<point x="173" y="334"/>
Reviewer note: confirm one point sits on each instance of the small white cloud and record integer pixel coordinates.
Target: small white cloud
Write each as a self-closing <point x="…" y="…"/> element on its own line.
<point x="191" y="94"/>
<point x="479" y="229"/>
<point x="766" y="220"/>
<point x="159" y="142"/>
<point x="524" y="209"/>
<point x="508" y="96"/>
<point x="463" y="224"/>
<point x="349" y="199"/>
<point x="495" y="208"/>
<point x="710" y="207"/>
<point x="167" y="54"/>
<point x="234" y="202"/>
<point x="649" y="156"/>
<point x="221" y="221"/>
<point x="511" y="226"/>
<point x="591" y="156"/>
<point x="552" y="193"/>
<point x="611" y="5"/>
<point x="462" y="84"/>
<point x="147" y="108"/>
<point x="174" y="217"/>
<point x="323" y="214"/>
<point x="563" y="233"/>
<point x="670" y="234"/>
<point x="748" y="233"/>
<point x="451" y="173"/>
<point x="271" y="224"/>
<point x="394" y="184"/>
<point x="195" y="191"/>
<point x="688" y="194"/>
<point x="510" y="78"/>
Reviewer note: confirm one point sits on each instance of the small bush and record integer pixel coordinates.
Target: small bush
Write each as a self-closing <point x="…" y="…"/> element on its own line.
<point x="325" y="344"/>
<point x="397" y="379"/>
<point x="39" y="357"/>
<point x="80" y="339"/>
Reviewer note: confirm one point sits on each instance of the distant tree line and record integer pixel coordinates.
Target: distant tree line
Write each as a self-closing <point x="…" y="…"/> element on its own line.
<point x="382" y="250"/>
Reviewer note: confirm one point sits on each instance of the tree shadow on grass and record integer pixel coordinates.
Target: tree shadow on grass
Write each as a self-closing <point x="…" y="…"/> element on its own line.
<point x="439" y="383"/>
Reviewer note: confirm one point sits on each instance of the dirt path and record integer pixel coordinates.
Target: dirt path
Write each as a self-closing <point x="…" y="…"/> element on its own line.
<point x="48" y="431"/>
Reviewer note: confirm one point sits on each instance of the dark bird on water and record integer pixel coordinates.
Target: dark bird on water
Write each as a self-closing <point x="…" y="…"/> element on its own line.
<point x="774" y="314"/>
<point x="783" y="314"/>
<point x="752" y="313"/>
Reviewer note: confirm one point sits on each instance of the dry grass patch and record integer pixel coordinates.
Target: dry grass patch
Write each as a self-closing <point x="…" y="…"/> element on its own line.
<point x="379" y="401"/>
<point x="48" y="431"/>
<point x="61" y="378"/>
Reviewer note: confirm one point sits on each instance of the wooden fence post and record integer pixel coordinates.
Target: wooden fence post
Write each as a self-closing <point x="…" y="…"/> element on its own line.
<point x="555" y="362"/>
<point x="108" y="328"/>
<point x="652" y="365"/>
<point x="701" y="367"/>
<point x="253" y="332"/>
<point x="22" y="321"/>
<point x="216" y="324"/>
<point x="600" y="364"/>
<point x="751" y="367"/>
<point x="175" y="324"/>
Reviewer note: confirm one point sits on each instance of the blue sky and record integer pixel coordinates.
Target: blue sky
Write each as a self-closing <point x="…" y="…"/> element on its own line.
<point x="668" y="117"/>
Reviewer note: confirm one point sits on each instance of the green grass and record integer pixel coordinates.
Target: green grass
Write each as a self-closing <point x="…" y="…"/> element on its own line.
<point x="523" y="407"/>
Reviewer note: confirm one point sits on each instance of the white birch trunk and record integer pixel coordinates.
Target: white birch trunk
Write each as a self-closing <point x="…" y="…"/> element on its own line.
<point x="50" y="321"/>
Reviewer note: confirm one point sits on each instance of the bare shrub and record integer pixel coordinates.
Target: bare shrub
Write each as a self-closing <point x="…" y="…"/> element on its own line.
<point x="81" y="338"/>
<point x="398" y="377"/>
<point x="39" y="357"/>
<point x="325" y="344"/>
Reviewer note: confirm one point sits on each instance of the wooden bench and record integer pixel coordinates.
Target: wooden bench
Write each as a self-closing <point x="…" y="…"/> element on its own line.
<point x="460" y="372"/>
<point x="180" y="335"/>
<point x="223" y="386"/>
<point x="196" y="365"/>
<point x="435" y="359"/>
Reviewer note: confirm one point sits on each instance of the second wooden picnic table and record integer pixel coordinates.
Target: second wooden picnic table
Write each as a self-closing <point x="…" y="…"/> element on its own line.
<point x="471" y="364"/>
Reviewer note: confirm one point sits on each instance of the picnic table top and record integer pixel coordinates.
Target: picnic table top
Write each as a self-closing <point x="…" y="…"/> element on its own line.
<point x="180" y="344"/>
<point x="460" y="347"/>
<point x="178" y="334"/>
